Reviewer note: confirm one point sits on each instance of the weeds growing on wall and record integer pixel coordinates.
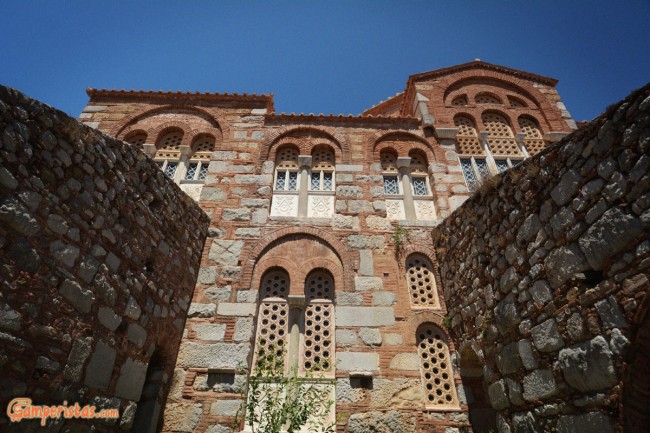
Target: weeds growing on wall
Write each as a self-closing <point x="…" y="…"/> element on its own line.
<point x="399" y="237"/>
<point x="280" y="402"/>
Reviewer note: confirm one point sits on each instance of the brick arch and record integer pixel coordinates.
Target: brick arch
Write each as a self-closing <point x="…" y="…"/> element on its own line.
<point x="132" y="128"/>
<point x="469" y="116"/>
<point x="268" y="264"/>
<point x="285" y="132"/>
<point x="148" y="110"/>
<point x="379" y="140"/>
<point x="320" y="263"/>
<point x="255" y="252"/>
<point x="492" y="94"/>
<point x="214" y="132"/>
<point x="172" y="124"/>
<point x="540" y="125"/>
<point x="419" y="318"/>
<point x="300" y="143"/>
<point x="500" y="113"/>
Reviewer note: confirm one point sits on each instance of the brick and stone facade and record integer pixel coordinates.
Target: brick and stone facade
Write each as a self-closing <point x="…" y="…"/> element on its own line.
<point x="351" y="240"/>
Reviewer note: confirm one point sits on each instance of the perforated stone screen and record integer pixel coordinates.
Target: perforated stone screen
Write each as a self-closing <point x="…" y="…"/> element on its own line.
<point x="437" y="376"/>
<point x="421" y="282"/>
<point x="459" y="101"/>
<point x="486" y="98"/>
<point x="318" y="349"/>
<point x="275" y="284"/>
<point x="171" y="140"/>
<point x="320" y="285"/>
<point x="136" y="138"/>
<point x="287" y="157"/>
<point x="533" y="141"/>
<point x="500" y="137"/>
<point x="203" y="146"/>
<point x="322" y="159"/>
<point x="467" y="139"/>
<point x="272" y="325"/>
<point x="388" y="162"/>
<point x="516" y="103"/>
<point x="418" y="163"/>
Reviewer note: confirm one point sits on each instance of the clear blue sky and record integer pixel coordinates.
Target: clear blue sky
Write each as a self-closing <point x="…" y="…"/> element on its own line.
<point x="329" y="56"/>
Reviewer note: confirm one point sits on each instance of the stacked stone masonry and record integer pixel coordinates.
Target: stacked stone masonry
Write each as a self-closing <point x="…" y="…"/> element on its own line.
<point x="330" y="234"/>
<point x="100" y="256"/>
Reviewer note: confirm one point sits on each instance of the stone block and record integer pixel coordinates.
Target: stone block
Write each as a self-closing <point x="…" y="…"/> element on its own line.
<point x="393" y="339"/>
<point x="527" y="354"/>
<point x="588" y="366"/>
<point x="568" y="187"/>
<point x="593" y="422"/>
<point x="209" y="331"/>
<point x="370" y="337"/>
<point x="525" y="422"/>
<point x="82" y="299"/>
<point x="381" y="422"/>
<point x="201" y="310"/>
<point x="225" y="407"/>
<point x="546" y="336"/>
<point x="541" y="292"/>
<point x="349" y="298"/>
<point x="610" y="313"/>
<point x="365" y="316"/>
<point x="349" y="191"/>
<point x="241" y="214"/>
<point x="108" y="318"/>
<point x="100" y="368"/>
<point x="506" y="315"/>
<point x="247" y="296"/>
<point x="366" y="242"/>
<point x="405" y="361"/>
<point x="368" y="283"/>
<point x="132" y="376"/>
<point x="374" y="222"/>
<point x="243" y="329"/>
<point x="497" y="394"/>
<point x="255" y="202"/>
<point x="182" y="417"/>
<point x="565" y="263"/>
<point x="219" y="294"/>
<point x="357" y="361"/>
<point x="136" y="334"/>
<point x="80" y="351"/>
<point x="247" y="233"/>
<point x="223" y="252"/>
<point x="212" y="355"/>
<point x="236" y="309"/>
<point x="207" y="275"/>
<point x="360" y="206"/>
<point x="346" y="337"/>
<point x="529" y="228"/>
<point x="539" y="384"/>
<point x="132" y="309"/>
<point x="508" y="360"/>
<point x="383" y="299"/>
<point x="366" y="266"/>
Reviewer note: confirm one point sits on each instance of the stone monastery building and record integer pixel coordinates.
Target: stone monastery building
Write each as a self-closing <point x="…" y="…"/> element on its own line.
<point x="351" y="242"/>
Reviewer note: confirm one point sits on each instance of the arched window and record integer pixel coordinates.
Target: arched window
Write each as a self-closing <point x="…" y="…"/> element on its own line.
<point x="286" y="169"/>
<point x="273" y="317"/>
<point x="500" y="138"/>
<point x="317" y="348"/>
<point x="533" y="140"/>
<point x="516" y="102"/>
<point x="419" y="178"/>
<point x="197" y="166"/>
<point x="168" y="154"/>
<point x="136" y="138"/>
<point x="459" y="101"/>
<point x="389" y="168"/>
<point x="435" y="367"/>
<point x="487" y="98"/>
<point x="322" y="169"/>
<point x="421" y="282"/>
<point x="472" y="153"/>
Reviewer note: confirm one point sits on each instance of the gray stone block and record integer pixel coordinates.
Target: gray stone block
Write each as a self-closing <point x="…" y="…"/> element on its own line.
<point x="132" y="376"/>
<point x="219" y="294"/>
<point x="541" y="292"/>
<point x="370" y="337"/>
<point x="405" y="361"/>
<point x="136" y="334"/>
<point x="546" y="336"/>
<point x="588" y="366"/>
<point x="393" y="339"/>
<point x="80" y="351"/>
<point x="368" y="283"/>
<point x="357" y="361"/>
<point x="497" y="395"/>
<point x="202" y="310"/>
<point x="212" y="355"/>
<point x="366" y="267"/>
<point x="381" y="422"/>
<point x="508" y="360"/>
<point x="565" y="263"/>
<point x="243" y="329"/>
<point x="349" y="298"/>
<point x="610" y="313"/>
<point x="506" y="315"/>
<point x="593" y="422"/>
<point x="383" y="299"/>
<point x="527" y="355"/>
<point x="346" y="337"/>
<point x="223" y="252"/>
<point x="366" y="242"/>
<point x="365" y="316"/>
<point x="225" y="407"/>
<point x="207" y="275"/>
<point x="209" y="331"/>
<point x="539" y="384"/>
<point x="236" y="309"/>
<point x="182" y="417"/>
<point x="100" y="368"/>
<point x="82" y="299"/>
<point x="568" y="187"/>
<point x="529" y="228"/>
<point x="242" y="214"/>
<point x="108" y="318"/>
<point x="525" y="422"/>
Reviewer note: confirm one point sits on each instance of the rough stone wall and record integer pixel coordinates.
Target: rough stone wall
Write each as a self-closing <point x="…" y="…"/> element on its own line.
<point x="545" y="277"/>
<point x="100" y="255"/>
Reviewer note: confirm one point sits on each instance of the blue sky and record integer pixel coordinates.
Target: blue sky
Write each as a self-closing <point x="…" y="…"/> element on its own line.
<point x="329" y="57"/>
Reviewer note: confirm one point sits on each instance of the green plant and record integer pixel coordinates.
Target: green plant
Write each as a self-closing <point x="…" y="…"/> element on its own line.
<point x="399" y="236"/>
<point x="280" y="402"/>
<point x="446" y="323"/>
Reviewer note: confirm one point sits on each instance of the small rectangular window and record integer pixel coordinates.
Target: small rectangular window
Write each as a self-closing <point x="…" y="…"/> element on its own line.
<point x="191" y="171"/>
<point x="170" y="170"/>
<point x="502" y="165"/>
<point x="203" y="171"/>
<point x="470" y="176"/>
<point x="280" y="182"/>
<point x="390" y="185"/>
<point x="315" y="181"/>
<point x="419" y="186"/>
<point x="293" y="181"/>
<point x="483" y="169"/>
<point x="327" y="182"/>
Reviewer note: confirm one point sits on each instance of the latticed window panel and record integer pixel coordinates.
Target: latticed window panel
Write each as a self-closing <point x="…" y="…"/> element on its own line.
<point x="390" y="185"/>
<point x="136" y="138"/>
<point x="483" y="170"/>
<point x="418" y="163"/>
<point x="529" y="128"/>
<point x="388" y="162"/>
<point x="465" y="126"/>
<point x="470" y="146"/>
<point x="420" y="186"/>
<point x="191" y="171"/>
<point x="470" y="176"/>
<point x="293" y="181"/>
<point x="315" y="181"/>
<point x="328" y="184"/>
<point x="287" y="157"/>
<point x="171" y="140"/>
<point x="203" y="172"/>
<point x="516" y="103"/>
<point x="204" y="143"/>
<point x="502" y="165"/>
<point x="280" y="181"/>
<point x="421" y="282"/>
<point x="170" y="170"/>
<point x="486" y="98"/>
<point x="500" y="137"/>
<point x="275" y="284"/>
<point x="319" y="285"/>
<point x="318" y="350"/>
<point x="322" y="159"/>
<point x="459" y="101"/>
<point x="272" y="326"/>
<point x="534" y="146"/>
<point x="437" y="376"/>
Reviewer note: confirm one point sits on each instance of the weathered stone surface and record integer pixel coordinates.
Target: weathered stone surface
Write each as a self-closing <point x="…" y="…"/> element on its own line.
<point x="564" y="263"/>
<point x="497" y="395"/>
<point x="243" y="329"/>
<point x="202" y="310"/>
<point x="368" y="283"/>
<point x="385" y="299"/>
<point x="405" y="361"/>
<point x="541" y="292"/>
<point x="365" y="316"/>
<point x="366" y="266"/>
<point x="568" y="186"/>
<point x="236" y="309"/>
<point x="79" y="353"/>
<point x="218" y="428"/>
<point x="242" y="214"/>
<point x="9" y="318"/>
<point x="225" y="407"/>
<point x="529" y="228"/>
<point x="209" y="331"/>
<point x="398" y="392"/>
<point x="366" y="241"/>
<point x="525" y="422"/>
<point x="508" y="360"/>
<point x="136" y="334"/>
<point x="527" y="355"/>
<point x="128" y="415"/>
<point x="349" y="191"/>
<point x="546" y="336"/>
<point x="182" y="417"/>
<point x="381" y="422"/>
<point x="393" y="339"/>
<point x="610" y="313"/>
<point x="506" y="314"/>
<point x="349" y="298"/>
<point x="212" y="355"/>
<point x="207" y="275"/>
<point x="109" y="318"/>
<point x="346" y="337"/>
<point x="370" y="337"/>
<point x="345" y="393"/>
<point x="378" y="223"/>
<point x="223" y="252"/>
<point x="588" y="366"/>
<point x="100" y="368"/>
<point x="131" y="379"/>
<point x="539" y="384"/>
<point x="17" y="216"/>
<point x="357" y="361"/>
<point x="82" y="299"/>
<point x="608" y="236"/>
<point x="593" y="422"/>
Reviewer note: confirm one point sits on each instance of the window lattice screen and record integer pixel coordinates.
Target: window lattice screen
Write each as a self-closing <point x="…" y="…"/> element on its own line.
<point x="418" y="163"/>
<point x="320" y="285"/>
<point x="533" y="140"/>
<point x="467" y="138"/>
<point x="516" y="103"/>
<point x="275" y="284"/>
<point x="204" y="146"/>
<point x="421" y="282"/>
<point x="272" y="325"/>
<point x="459" y="101"/>
<point x="388" y="162"/>
<point x="500" y="137"/>
<point x="435" y="365"/>
<point x="287" y="157"/>
<point x="319" y="322"/>
<point x="169" y="145"/>
<point x="136" y="138"/>
<point x="486" y="98"/>
<point x="322" y="159"/>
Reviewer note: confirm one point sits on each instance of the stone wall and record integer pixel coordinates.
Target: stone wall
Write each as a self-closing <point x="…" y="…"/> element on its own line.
<point x="100" y="254"/>
<point x="545" y="276"/>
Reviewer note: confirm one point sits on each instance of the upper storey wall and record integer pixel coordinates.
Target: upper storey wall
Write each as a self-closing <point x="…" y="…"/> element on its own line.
<point x="545" y="277"/>
<point x="100" y="253"/>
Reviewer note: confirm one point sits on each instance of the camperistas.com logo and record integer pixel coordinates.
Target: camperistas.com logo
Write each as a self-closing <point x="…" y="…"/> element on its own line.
<point x="21" y="408"/>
